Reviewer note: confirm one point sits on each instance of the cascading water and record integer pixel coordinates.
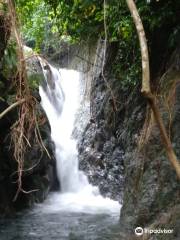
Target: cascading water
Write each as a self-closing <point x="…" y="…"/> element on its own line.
<point x="78" y="211"/>
<point x="61" y="105"/>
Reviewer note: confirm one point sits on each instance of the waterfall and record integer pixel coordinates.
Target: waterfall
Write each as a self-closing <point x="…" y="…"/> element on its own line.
<point x="60" y="99"/>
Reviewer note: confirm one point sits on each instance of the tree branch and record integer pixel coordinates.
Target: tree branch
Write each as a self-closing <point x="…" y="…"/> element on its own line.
<point x="146" y="90"/>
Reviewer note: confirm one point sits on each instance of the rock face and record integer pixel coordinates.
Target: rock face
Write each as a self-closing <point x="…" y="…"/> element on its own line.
<point x="151" y="195"/>
<point x="38" y="173"/>
<point x="101" y="156"/>
<point x="39" y="169"/>
<point x="121" y="150"/>
<point x="151" y="189"/>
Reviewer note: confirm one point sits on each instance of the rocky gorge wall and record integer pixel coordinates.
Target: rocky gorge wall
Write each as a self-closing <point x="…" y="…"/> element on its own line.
<point x="151" y="194"/>
<point x="121" y="149"/>
<point x="100" y="155"/>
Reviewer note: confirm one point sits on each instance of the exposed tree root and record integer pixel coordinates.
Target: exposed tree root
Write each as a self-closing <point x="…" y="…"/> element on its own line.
<point x="26" y="127"/>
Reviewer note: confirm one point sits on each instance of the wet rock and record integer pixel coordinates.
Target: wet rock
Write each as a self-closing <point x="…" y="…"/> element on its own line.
<point x="151" y="185"/>
<point x="38" y="176"/>
<point x="100" y="154"/>
<point x="114" y="158"/>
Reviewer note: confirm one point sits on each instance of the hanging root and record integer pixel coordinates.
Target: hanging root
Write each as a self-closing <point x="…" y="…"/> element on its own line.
<point x="114" y="101"/>
<point x="26" y="126"/>
<point x="21" y="134"/>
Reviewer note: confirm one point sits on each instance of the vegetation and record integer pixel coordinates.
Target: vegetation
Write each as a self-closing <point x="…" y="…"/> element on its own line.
<point x="14" y="69"/>
<point x="80" y="20"/>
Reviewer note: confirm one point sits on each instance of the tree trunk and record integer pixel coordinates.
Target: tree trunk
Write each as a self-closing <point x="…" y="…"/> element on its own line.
<point x="146" y="90"/>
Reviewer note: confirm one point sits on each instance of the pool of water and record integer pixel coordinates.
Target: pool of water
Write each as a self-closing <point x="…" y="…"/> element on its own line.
<point x="50" y="221"/>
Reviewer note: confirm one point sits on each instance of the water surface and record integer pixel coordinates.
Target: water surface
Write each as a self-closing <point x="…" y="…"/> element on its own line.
<point x="49" y="221"/>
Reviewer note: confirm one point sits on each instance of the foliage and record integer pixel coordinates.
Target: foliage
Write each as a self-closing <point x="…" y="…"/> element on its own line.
<point x="35" y="21"/>
<point x="83" y="20"/>
<point x="79" y="19"/>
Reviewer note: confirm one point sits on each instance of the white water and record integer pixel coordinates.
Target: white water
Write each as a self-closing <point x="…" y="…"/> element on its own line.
<point x="77" y="194"/>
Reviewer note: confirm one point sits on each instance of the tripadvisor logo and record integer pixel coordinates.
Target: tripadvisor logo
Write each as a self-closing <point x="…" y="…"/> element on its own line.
<point x="139" y="231"/>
